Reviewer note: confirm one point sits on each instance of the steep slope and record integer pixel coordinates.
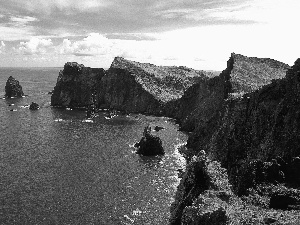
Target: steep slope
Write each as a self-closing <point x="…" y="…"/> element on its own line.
<point x="75" y="85"/>
<point x="201" y="103"/>
<point x="263" y="125"/>
<point x="252" y="130"/>
<point x="143" y="87"/>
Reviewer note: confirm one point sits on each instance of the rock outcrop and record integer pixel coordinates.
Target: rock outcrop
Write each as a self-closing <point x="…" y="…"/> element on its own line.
<point x="75" y="85"/>
<point x="13" y="88"/>
<point x="149" y="145"/>
<point x="34" y="106"/>
<point x="202" y="195"/>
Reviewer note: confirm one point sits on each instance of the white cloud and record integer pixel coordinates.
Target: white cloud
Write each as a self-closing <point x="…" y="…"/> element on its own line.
<point x="2" y="46"/>
<point x="18" y="28"/>
<point x="35" y="46"/>
<point x="48" y="6"/>
<point x="22" y="20"/>
<point x="94" y="44"/>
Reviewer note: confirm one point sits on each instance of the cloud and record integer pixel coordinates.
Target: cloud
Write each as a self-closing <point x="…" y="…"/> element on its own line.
<point x="94" y="44"/>
<point x="21" y="21"/>
<point x="14" y="28"/>
<point x="2" y="46"/>
<point x="35" y="46"/>
<point x="67" y="6"/>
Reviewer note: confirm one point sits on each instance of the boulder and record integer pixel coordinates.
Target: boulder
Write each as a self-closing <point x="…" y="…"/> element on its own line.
<point x="149" y="144"/>
<point x="34" y="106"/>
<point x="13" y="88"/>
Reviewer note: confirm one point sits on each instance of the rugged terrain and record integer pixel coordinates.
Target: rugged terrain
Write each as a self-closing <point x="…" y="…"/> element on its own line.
<point x="255" y="137"/>
<point x="75" y="85"/>
<point x="127" y="85"/>
<point x="243" y="149"/>
<point x="13" y="88"/>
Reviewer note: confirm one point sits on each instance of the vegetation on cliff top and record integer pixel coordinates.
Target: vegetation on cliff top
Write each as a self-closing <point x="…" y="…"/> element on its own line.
<point x="164" y="82"/>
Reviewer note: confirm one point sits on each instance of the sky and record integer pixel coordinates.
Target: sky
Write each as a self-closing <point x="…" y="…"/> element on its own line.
<point x="200" y="34"/>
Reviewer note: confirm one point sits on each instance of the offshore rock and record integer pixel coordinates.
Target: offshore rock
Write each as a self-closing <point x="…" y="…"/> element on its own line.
<point x="149" y="145"/>
<point x="202" y="195"/>
<point x="142" y="87"/>
<point x="34" y="106"/>
<point x="75" y="85"/>
<point x="13" y="88"/>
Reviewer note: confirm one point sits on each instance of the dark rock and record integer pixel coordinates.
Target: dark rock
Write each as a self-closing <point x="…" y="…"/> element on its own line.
<point x="285" y="200"/>
<point x="13" y="88"/>
<point x="76" y="85"/>
<point x="269" y="220"/>
<point x="274" y="173"/>
<point x="293" y="169"/>
<point x="149" y="144"/>
<point x="34" y="106"/>
<point x="157" y="128"/>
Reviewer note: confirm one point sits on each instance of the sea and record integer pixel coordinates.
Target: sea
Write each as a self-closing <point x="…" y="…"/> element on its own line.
<point x="56" y="167"/>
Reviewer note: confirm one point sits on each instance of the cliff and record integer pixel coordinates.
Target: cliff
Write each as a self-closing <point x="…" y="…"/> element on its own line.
<point x="13" y="88"/>
<point x="127" y="85"/>
<point x="253" y="131"/>
<point x="202" y="103"/>
<point x="262" y="125"/>
<point x="75" y="85"/>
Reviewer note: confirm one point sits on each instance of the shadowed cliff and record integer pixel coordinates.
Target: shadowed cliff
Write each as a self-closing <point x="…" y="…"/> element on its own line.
<point x="75" y="85"/>
<point x="254" y="135"/>
<point x="127" y="85"/>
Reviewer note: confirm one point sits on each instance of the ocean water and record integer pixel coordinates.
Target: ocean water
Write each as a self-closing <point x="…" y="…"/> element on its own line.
<point x="58" y="168"/>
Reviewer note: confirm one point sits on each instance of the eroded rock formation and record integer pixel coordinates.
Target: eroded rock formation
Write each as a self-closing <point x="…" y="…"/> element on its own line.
<point x="127" y="86"/>
<point x="202" y="195"/>
<point x="252" y="130"/>
<point x="149" y="145"/>
<point x="34" y="106"/>
<point x="75" y="85"/>
<point x="143" y="87"/>
<point x="13" y="88"/>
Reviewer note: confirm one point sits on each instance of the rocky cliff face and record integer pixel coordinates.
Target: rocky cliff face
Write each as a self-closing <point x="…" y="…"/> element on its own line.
<point x="203" y="194"/>
<point x="143" y="87"/>
<point x="13" y="88"/>
<point x="127" y="85"/>
<point x="119" y="90"/>
<point x="202" y="103"/>
<point x="262" y="125"/>
<point x="75" y="85"/>
<point x="251" y="128"/>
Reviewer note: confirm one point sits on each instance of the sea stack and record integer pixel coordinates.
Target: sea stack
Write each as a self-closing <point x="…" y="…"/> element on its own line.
<point x="149" y="145"/>
<point x="34" y="106"/>
<point x="12" y="88"/>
